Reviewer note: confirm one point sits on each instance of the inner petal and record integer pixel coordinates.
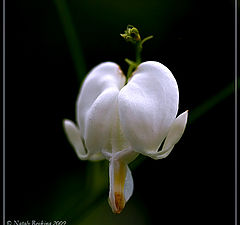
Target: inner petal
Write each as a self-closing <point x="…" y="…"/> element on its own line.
<point x="117" y="139"/>
<point x="118" y="171"/>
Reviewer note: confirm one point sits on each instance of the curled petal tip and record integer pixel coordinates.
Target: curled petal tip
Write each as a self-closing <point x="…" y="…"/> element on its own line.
<point x="74" y="136"/>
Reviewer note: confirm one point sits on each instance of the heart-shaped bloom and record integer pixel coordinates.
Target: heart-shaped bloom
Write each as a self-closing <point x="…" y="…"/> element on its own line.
<point x="117" y="121"/>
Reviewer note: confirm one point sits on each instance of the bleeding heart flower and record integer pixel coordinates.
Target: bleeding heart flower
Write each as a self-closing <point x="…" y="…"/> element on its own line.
<point x="117" y="121"/>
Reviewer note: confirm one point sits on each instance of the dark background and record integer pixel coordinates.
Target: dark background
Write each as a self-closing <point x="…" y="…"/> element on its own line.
<point x="44" y="178"/>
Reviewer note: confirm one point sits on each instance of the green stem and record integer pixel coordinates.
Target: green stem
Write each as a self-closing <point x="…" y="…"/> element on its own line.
<point x="133" y="65"/>
<point x="146" y="39"/>
<point x="131" y="34"/>
<point x="138" y="53"/>
<point x="130" y="70"/>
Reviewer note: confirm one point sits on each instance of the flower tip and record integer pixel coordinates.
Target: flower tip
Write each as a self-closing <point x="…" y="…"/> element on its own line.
<point x="186" y="114"/>
<point x="182" y="118"/>
<point x="66" y="122"/>
<point x="67" y="125"/>
<point x="118" y="203"/>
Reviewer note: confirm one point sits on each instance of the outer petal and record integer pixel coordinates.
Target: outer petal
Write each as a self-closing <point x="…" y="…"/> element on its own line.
<point x="148" y="105"/>
<point x="74" y="137"/>
<point x="176" y="130"/>
<point x="97" y="105"/>
<point x="99" y="120"/>
<point x="174" y="135"/>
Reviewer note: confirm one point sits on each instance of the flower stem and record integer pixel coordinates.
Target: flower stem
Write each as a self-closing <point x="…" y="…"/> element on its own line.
<point x="131" y="34"/>
<point x="138" y="53"/>
<point x="130" y="70"/>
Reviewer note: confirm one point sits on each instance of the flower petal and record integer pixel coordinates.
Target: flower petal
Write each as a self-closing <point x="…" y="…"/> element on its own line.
<point x="174" y="135"/>
<point x="148" y="105"/>
<point x="96" y="157"/>
<point x="74" y="137"/>
<point x="121" y="185"/>
<point x="105" y="75"/>
<point x="99" y="120"/>
<point x="128" y="187"/>
<point x="97" y="104"/>
<point x="176" y="130"/>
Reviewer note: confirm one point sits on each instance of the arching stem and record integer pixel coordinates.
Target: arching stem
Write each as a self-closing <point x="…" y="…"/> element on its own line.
<point x="131" y="34"/>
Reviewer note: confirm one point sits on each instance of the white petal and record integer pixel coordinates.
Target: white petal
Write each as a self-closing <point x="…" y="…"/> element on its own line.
<point x="74" y="137"/>
<point x="99" y="120"/>
<point x="121" y="185"/>
<point x="174" y="135"/>
<point x="118" y="142"/>
<point x="111" y="197"/>
<point x="148" y="105"/>
<point x="176" y="130"/>
<point x="96" y="157"/>
<point x="105" y="75"/>
<point x="128" y="187"/>
<point x="97" y="104"/>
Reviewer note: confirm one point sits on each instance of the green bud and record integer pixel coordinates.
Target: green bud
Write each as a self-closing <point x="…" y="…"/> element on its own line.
<point x="131" y="34"/>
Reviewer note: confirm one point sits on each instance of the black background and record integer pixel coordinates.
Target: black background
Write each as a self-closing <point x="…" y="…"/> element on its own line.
<point x="194" y="39"/>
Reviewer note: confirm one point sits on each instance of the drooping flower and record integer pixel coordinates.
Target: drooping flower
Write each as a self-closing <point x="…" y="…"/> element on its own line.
<point x="117" y="121"/>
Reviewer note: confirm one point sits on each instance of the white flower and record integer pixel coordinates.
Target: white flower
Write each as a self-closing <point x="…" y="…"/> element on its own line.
<point x="117" y="121"/>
